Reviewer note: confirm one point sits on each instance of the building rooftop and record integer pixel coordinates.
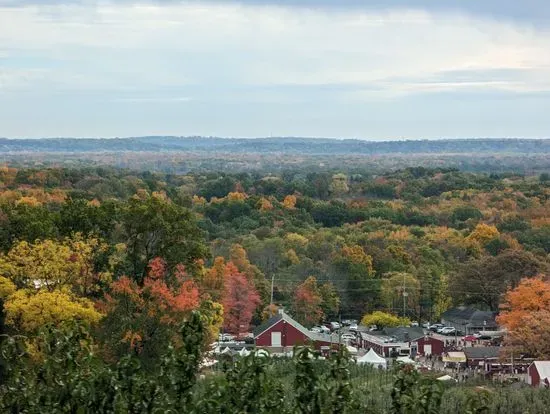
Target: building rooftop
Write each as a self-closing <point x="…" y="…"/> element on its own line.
<point x="482" y="352"/>
<point x="314" y="336"/>
<point x="543" y="368"/>
<point x="469" y="316"/>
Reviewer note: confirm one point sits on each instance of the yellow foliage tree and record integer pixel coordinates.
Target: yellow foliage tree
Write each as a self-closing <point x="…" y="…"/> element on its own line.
<point x="289" y="202"/>
<point x="7" y="288"/>
<point x="356" y="255"/>
<point x="213" y="281"/>
<point x="236" y="196"/>
<point x="383" y="320"/>
<point x="29" y="201"/>
<point x="296" y="241"/>
<point x="50" y="264"/>
<point x="292" y="257"/>
<point x="212" y="316"/>
<point x="482" y="234"/>
<point x="27" y="310"/>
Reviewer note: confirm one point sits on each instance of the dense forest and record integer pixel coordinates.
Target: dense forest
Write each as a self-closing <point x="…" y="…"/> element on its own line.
<point x="279" y="144"/>
<point x="130" y="254"/>
<point x="179" y="155"/>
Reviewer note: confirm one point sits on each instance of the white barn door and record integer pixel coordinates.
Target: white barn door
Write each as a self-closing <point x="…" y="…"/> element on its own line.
<point x="427" y="349"/>
<point x="275" y="339"/>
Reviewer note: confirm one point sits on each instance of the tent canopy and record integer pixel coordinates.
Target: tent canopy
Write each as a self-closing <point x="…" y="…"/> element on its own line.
<point x="405" y="360"/>
<point x="454" y="357"/>
<point x="372" y="358"/>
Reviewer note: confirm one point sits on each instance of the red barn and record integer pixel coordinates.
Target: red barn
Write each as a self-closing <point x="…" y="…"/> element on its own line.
<point x="538" y="374"/>
<point x="428" y="345"/>
<point x="281" y="333"/>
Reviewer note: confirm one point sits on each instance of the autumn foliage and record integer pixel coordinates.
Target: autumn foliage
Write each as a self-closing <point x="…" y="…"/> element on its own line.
<point x="240" y="300"/>
<point x="525" y="314"/>
<point x="307" y="302"/>
<point x="141" y="316"/>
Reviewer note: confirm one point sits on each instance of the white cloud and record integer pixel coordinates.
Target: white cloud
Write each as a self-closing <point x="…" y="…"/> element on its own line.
<point x="137" y="47"/>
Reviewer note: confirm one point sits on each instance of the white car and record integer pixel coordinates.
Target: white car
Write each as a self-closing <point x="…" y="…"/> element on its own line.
<point x="334" y="326"/>
<point x="353" y="327"/>
<point x="316" y="329"/>
<point x="348" y="337"/>
<point x="448" y="330"/>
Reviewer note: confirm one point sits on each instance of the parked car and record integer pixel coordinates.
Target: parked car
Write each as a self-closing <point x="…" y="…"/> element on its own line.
<point x="426" y="325"/>
<point x="447" y="330"/>
<point x="353" y="327"/>
<point x="414" y="324"/>
<point x="436" y="326"/>
<point x="348" y="337"/>
<point x="320" y="329"/>
<point x="334" y="326"/>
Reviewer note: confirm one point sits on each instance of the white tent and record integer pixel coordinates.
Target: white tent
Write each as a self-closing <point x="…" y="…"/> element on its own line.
<point x="227" y="350"/>
<point x="405" y="360"/>
<point x="445" y="378"/>
<point x="372" y="358"/>
<point x="244" y="352"/>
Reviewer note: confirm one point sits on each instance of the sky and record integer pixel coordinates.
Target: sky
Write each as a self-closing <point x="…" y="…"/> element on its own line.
<point x="376" y="70"/>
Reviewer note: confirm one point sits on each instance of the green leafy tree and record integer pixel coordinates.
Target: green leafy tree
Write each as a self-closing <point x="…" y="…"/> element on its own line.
<point x="155" y="227"/>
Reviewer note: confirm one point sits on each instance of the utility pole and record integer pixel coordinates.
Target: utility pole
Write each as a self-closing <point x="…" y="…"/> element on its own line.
<point x="405" y="294"/>
<point x="272" y="280"/>
<point x="340" y="332"/>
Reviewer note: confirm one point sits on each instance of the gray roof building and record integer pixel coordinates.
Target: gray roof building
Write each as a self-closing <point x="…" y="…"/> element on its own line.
<point x="482" y="352"/>
<point x="469" y="320"/>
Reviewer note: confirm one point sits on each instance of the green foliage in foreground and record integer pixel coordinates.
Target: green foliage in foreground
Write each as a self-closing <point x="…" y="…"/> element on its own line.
<point x="65" y="374"/>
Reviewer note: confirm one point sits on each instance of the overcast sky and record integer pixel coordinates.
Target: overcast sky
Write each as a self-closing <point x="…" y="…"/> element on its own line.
<point x="382" y="69"/>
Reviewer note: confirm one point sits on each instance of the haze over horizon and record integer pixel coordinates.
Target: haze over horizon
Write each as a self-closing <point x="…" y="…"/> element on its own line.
<point x="388" y="70"/>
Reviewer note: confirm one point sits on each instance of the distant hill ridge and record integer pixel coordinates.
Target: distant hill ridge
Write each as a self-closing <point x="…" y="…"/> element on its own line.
<point x="294" y="145"/>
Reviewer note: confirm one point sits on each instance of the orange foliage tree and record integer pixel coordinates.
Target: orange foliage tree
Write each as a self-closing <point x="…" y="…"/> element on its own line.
<point x="307" y="303"/>
<point x="525" y="313"/>
<point x="240" y="300"/>
<point x="144" y="319"/>
<point x="289" y="202"/>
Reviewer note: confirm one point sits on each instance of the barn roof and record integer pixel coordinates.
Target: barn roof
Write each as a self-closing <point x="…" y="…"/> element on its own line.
<point x="543" y="368"/>
<point x="314" y="336"/>
<point x="267" y="324"/>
